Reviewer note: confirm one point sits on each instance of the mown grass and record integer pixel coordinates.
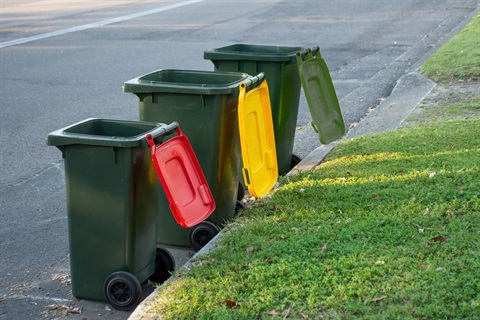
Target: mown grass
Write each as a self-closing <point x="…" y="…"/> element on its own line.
<point x="387" y="227"/>
<point x="459" y="58"/>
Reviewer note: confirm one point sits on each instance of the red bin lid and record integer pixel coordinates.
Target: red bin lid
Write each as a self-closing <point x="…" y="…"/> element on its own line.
<point x="182" y="179"/>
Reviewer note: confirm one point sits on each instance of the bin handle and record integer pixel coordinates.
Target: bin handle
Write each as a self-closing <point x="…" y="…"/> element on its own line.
<point x="246" y="176"/>
<point x="161" y="131"/>
<point x="308" y="54"/>
<point x="315" y="49"/>
<point x="165" y="129"/>
<point x="252" y="80"/>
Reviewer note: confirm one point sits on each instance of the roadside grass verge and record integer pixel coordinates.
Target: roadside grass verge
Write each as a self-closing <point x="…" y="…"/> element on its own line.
<point x="387" y="227"/>
<point x="458" y="58"/>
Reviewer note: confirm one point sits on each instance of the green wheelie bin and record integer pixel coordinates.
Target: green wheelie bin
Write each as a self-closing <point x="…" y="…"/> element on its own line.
<point x="286" y="69"/>
<point x="205" y="104"/>
<point x="280" y="68"/>
<point x="111" y="190"/>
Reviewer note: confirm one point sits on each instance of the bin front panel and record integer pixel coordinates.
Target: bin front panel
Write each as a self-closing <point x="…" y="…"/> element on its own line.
<point x="110" y="214"/>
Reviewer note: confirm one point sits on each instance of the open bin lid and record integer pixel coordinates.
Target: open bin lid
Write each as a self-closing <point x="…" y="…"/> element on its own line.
<point x="257" y="140"/>
<point x="327" y="119"/>
<point x="182" y="179"/>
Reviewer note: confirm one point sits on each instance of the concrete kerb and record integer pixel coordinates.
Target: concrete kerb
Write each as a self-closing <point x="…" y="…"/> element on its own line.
<point x="407" y="94"/>
<point x="141" y="312"/>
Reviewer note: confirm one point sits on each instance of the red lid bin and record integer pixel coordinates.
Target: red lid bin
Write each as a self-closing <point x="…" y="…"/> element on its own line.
<point x="182" y="179"/>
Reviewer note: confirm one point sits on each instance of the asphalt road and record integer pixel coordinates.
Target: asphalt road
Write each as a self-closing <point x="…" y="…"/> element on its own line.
<point x="62" y="62"/>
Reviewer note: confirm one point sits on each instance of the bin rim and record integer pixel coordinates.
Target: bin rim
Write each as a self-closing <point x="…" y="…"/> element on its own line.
<point x="268" y="53"/>
<point x="62" y="137"/>
<point x="141" y="85"/>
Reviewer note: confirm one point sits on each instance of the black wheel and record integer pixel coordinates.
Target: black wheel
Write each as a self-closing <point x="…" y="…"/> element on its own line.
<point x="201" y="234"/>
<point x="241" y="191"/>
<point x="164" y="265"/>
<point x="295" y="160"/>
<point x="239" y="206"/>
<point x="123" y="291"/>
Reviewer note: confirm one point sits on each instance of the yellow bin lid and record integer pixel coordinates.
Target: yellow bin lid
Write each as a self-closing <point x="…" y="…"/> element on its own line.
<point x="257" y="140"/>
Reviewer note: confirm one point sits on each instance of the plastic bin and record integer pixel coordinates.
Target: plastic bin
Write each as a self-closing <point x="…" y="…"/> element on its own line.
<point x="280" y="67"/>
<point x="281" y="73"/>
<point x="206" y="106"/>
<point x="111" y="190"/>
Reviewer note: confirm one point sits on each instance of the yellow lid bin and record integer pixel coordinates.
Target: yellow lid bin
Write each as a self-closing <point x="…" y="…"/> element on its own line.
<point x="257" y="139"/>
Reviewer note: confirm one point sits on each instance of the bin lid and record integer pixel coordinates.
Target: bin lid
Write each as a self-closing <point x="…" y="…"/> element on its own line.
<point x="327" y="119"/>
<point x="186" y="82"/>
<point x="182" y="179"/>
<point x="253" y="52"/>
<point x="257" y="139"/>
<point x="108" y="133"/>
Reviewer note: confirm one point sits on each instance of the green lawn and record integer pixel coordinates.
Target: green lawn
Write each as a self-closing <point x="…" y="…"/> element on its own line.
<point x="387" y="227"/>
<point x="459" y="58"/>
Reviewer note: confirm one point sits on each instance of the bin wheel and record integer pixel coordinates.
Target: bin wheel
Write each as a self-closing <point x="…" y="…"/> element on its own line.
<point x="201" y="234"/>
<point x="123" y="291"/>
<point x="295" y="160"/>
<point x="241" y="191"/>
<point x="164" y="265"/>
<point x="239" y="206"/>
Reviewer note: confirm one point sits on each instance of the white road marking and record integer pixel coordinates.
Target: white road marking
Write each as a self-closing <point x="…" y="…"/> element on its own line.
<point x="96" y="24"/>
<point x="35" y="298"/>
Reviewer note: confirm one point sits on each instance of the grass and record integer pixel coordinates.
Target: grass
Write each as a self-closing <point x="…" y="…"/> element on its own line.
<point x="387" y="227"/>
<point x="369" y="234"/>
<point x="459" y="58"/>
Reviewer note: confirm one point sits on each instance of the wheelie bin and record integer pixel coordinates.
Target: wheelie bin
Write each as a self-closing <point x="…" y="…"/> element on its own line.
<point x="205" y="103"/>
<point x="111" y="192"/>
<point x="279" y="63"/>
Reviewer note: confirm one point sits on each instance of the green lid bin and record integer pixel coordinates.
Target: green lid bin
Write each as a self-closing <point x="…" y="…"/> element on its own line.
<point x="205" y="105"/>
<point x="111" y="189"/>
<point x="279" y="64"/>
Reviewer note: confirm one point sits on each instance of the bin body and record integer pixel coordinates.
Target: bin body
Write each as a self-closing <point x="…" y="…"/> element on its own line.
<point x="281" y="73"/>
<point x="111" y="189"/>
<point x="205" y="104"/>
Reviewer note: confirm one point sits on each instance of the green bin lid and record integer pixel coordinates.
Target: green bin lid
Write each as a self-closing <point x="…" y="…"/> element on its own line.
<point x="108" y="133"/>
<point x="327" y="119"/>
<point x="186" y="81"/>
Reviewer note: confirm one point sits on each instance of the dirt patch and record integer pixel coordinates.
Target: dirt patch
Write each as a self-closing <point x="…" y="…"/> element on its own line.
<point x="56" y="311"/>
<point x="447" y="101"/>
